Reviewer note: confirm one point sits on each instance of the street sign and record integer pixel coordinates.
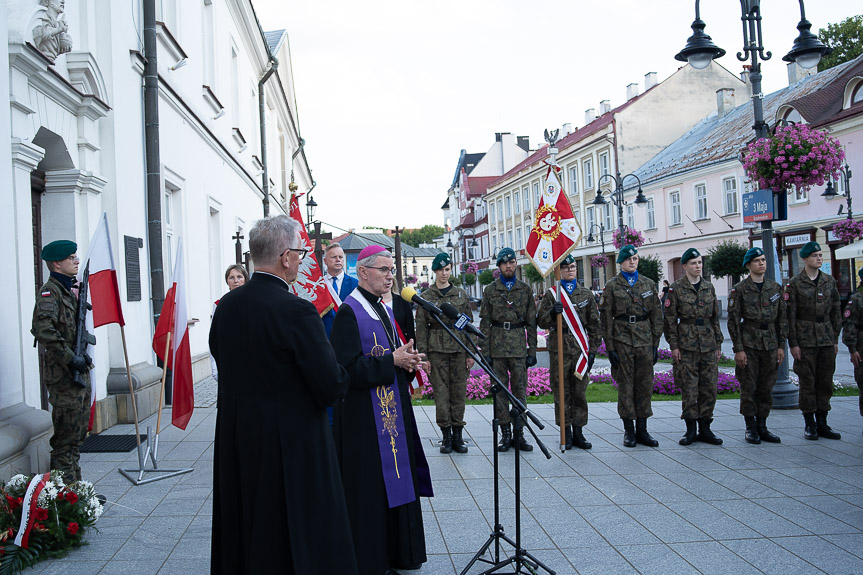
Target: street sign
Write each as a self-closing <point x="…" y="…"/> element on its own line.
<point x="758" y="206"/>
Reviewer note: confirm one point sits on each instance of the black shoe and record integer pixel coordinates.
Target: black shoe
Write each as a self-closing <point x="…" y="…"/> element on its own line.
<point x="765" y="433"/>
<point x="505" y="438"/>
<point x="102" y="499"/>
<point x="810" y="429"/>
<point x="628" y="433"/>
<point x="567" y="442"/>
<point x="578" y="439"/>
<point x="641" y="434"/>
<point x="752" y="430"/>
<point x="705" y="435"/>
<point x="446" y="442"/>
<point x="523" y="445"/>
<point x="823" y="429"/>
<point x="458" y="444"/>
<point x="691" y="433"/>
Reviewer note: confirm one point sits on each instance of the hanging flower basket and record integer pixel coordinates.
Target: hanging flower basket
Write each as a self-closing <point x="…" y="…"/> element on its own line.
<point x="848" y="230"/>
<point x="470" y="267"/>
<point x="411" y="279"/>
<point x="795" y="155"/>
<point x="630" y="236"/>
<point x="599" y="261"/>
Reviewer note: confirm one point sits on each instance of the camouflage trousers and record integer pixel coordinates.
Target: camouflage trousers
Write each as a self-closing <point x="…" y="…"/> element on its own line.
<point x="70" y="431"/>
<point x="448" y="378"/>
<point x="574" y="391"/>
<point x="634" y="377"/>
<point x="756" y="382"/>
<point x="815" y="369"/>
<point x="858" y="377"/>
<point x="696" y="375"/>
<point x="512" y="371"/>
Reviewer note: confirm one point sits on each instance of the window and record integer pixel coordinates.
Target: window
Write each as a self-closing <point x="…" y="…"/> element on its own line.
<point x="501" y="241"/>
<point x="799" y="196"/>
<point x="526" y="195"/>
<point x="499" y="209"/>
<point x="606" y="212"/>
<point x="651" y="214"/>
<point x="603" y="164"/>
<point x="674" y="205"/>
<point x="494" y="244"/>
<point x="209" y="46"/>
<point x="509" y="239"/>
<point x="516" y="202"/>
<point x="729" y="187"/>
<point x="518" y="239"/>
<point x="701" y="201"/>
<point x="587" y="171"/>
<point x="508" y="206"/>
<point x="536" y="193"/>
<point x="630" y="216"/>
<point x="491" y="213"/>
<point x="573" y="180"/>
<point x="576" y="213"/>
<point x="591" y="221"/>
<point x="526" y="234"/>
<point x="235" y="87"/>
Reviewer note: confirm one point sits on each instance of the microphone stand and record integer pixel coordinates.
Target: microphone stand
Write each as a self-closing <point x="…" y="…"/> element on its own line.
<point x="519" y="414"/>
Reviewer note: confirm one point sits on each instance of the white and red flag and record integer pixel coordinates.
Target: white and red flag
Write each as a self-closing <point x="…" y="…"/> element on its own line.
<point x="310" y="284"/>
<point x="555" y="230"/>
<point x="28" y="508"/>
<point x="573" y="322"/>
<point x="174" y="319"/>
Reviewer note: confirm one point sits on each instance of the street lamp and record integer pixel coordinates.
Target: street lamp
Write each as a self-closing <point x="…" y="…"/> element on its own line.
<point x="591" y="239"/>
<point x="807" y="52"/>
<point x="617" y="196"/>
<point x="311" y="205"/>
<point x="830" y="192"/>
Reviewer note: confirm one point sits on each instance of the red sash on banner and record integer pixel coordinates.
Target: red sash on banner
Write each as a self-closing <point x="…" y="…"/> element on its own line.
<point x="573" y="322"/>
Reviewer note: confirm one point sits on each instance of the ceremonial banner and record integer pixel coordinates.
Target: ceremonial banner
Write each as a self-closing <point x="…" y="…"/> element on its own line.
<point x="573" y="322"/>
<point x="555" y="231"/>
<point x="310" y="284"/>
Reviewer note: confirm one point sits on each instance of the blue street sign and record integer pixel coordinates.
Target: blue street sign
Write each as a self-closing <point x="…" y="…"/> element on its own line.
<point x="758" y="206"/>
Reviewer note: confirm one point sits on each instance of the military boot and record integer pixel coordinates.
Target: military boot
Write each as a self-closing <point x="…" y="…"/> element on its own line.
<point x="578" y="439"/>
<point x="810" y="430"/>
<point x="705" y="435"/>
<point x="764" y="433"/>
<point x="642" y="436"/>
<point x="523" y="445"/>
<point x="458" y="444"/>
<point x="752" y="430"/>
<point x="567" y="442"/>
<point x="505" y="438"/>
<point x="823" y="429"/>
<point x="446" y="442"/>
<point x="628" y="433"/>
<point x="690" y="434"/>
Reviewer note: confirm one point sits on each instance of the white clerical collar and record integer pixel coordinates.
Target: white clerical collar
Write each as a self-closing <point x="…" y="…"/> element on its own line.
<point x="274" y="275"/>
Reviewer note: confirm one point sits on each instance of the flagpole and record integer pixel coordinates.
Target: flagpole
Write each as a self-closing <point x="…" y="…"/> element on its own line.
<point x="132" y="394"/>
<point x="164" y="377"/>
<point x="560" y="390"/>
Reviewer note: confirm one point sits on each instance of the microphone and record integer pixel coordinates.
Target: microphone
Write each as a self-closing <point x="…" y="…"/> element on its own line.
<point x="462" y="322"/>
<point x="409" y="294"/>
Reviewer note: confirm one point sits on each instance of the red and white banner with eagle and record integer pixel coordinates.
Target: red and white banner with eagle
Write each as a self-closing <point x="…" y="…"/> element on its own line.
<point x="310" y="284"/>
<point x="555" y="231"/>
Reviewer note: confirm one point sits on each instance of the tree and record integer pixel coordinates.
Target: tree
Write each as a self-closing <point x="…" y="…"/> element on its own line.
<point x="846" y="39"/>
<point x="726" y="259"/>
<point x="424" y="235"/>
<point x="486" y="277"/>
<point x="468" y="279"/>
<point x="649" y="266"/>
<point x="455" y="280"/>
<point x="530" y="274"/>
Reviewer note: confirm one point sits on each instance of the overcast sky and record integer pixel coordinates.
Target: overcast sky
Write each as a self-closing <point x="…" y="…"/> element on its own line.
<point x="390" y="91"/>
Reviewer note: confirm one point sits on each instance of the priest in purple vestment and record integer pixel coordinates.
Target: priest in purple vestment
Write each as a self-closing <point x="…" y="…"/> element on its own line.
<point x="384" y="470"/>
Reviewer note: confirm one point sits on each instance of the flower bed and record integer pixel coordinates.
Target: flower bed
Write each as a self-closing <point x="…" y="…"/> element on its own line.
<point x="663" y="382"/>
<point x="664" y="354"/>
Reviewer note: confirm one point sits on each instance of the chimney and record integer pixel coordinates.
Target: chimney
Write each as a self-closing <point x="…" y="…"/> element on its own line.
<point x="589" y="115"/>
<point x="744" y="76"/>
<point x="497" y="136"/>
<point x="604" y="106"/>
<point x="523" y="142"/>
<point x="650" y="81"/>
<point x="724" y="101"/>
<point x="797" y="73"/>
<point x="631" y="91"/>
<point x="565" y="130"/>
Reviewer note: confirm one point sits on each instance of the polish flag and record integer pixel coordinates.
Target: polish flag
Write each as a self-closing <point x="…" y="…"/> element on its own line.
<point x="174" y="319"/>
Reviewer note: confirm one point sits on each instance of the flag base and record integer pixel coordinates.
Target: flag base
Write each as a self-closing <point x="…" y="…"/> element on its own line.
<point x="136" y="476"/>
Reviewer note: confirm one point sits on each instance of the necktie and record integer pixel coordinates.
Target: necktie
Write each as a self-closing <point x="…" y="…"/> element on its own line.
<point x="335" y="284"/>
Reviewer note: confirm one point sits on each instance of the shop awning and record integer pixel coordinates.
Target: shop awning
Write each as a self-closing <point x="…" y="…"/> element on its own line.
<point x="850" y="251"/>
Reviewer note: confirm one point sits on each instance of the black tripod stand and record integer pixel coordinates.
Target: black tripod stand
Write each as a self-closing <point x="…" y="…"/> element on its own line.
<point x="521" y="557"/>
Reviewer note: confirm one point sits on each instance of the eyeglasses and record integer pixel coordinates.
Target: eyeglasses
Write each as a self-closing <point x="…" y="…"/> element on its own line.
<point x="301" y="251"/>
<point x="384" y="270"/>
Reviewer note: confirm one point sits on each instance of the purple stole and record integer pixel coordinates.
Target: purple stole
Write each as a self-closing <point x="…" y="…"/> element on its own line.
<point x="386" y="405"/>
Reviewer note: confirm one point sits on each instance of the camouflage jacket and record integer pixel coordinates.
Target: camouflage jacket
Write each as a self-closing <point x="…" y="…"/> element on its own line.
<point x="513" y="307"/>
<point x="585" y="305"/>
<point x="756" y="317"/>
<point x="852" y="325"/>
<point x="692" y="317"/>
<point x="814" y="317"/>
<point x="431" y="337"/>
<point x="54" y="327"/>
<point x="630" y="314"/>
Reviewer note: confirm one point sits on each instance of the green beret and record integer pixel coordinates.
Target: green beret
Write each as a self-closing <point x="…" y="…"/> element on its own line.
<point x="808" y="249"/>
<point x="505" y="255"/>
<point x="752" y="253"/>
<point x="568" y="260"/>
<point x="58" y="250"/>
<point x="441" y="260"/>
<point x="626" y="252"/>
<point x="689" y="254"/>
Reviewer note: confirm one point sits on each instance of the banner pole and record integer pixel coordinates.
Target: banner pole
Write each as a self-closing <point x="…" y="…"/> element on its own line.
<point x="132" y="394"/>
<point x="560" y="350"/>
<point x="164" y="377"/>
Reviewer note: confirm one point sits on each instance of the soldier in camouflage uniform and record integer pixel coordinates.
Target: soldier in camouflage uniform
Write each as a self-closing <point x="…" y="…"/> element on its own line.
<point x="55" y="328"/>
<point x="507" y="316"/>
<point x="695" y="338"/>
<point x="449" y="362"/>
<point x="851" y="329"/>
<point x="574" y="389"/>
<point x="814" y="320"/>
<point x="631" y="319"/>
<point x="758" y="326"/>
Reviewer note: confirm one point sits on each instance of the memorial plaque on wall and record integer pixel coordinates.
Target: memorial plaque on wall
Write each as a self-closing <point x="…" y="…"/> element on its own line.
<point x="133" y="268"/>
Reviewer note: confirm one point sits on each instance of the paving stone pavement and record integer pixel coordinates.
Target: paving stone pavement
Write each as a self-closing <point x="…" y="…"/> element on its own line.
<point x="793" y="508"/>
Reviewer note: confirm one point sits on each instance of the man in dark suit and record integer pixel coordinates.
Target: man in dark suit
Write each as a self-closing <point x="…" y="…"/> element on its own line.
<point x="275" y="470"/>
<point x="341" y="283"/>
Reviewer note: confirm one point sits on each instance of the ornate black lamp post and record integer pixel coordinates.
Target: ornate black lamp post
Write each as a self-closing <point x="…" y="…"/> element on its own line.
<point x="830" y="192"/>
<point x="617" y="196"/>
<point x="591" y="239"/>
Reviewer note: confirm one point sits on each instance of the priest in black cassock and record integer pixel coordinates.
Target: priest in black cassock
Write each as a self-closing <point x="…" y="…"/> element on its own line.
<point x="384" y="470"/>
<point x="278" y="502"/>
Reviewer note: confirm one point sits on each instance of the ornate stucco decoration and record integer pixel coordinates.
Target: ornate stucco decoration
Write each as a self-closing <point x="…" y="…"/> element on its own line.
<point x="50" y="35"/>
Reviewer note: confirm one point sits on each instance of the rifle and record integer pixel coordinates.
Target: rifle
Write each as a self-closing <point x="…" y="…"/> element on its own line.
<point x="83" y="338"/>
